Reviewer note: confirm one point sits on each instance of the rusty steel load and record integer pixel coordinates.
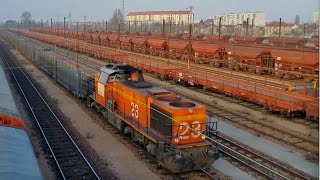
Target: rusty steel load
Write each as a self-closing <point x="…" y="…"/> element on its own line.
<point x="257" y="55"/>
<point x="272" y="98"/>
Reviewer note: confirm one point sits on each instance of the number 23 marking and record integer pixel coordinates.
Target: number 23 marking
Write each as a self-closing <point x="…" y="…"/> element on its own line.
<point x="195" y="128"/>
<point x="134" y="110"/>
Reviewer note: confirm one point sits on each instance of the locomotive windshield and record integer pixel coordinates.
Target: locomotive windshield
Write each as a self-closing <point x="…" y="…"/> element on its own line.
<point x="103" y="77"/>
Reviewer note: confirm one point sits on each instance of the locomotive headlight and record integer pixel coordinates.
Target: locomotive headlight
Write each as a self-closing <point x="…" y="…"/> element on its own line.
<point x="203" y="136"/>
<point x="176" y="139"/>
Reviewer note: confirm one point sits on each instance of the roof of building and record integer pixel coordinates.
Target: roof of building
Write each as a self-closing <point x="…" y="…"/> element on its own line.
<point x="157" y="13"/>
<point x="17" y="159"/>
<point x="7" y="104"/>
<point x="276" y="24"/>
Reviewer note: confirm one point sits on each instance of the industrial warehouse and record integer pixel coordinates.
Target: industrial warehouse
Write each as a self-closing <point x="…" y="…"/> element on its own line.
<point x="157" y="91"/>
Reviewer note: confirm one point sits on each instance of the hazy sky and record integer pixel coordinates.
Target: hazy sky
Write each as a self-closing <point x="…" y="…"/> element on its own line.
<point x="204" y="9"/>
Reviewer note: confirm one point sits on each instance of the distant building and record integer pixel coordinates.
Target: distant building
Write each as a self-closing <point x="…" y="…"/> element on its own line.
<point x="259" y="18"/>
<point x="272" y="28"/>
<point x="316" y="17"/>
<point x="158" y="16"/>
<point x="297" y="19"/>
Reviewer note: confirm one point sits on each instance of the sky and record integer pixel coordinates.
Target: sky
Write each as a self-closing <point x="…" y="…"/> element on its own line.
<point x="204" y="9"/>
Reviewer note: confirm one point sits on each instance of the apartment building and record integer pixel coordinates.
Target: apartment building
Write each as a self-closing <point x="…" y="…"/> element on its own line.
<point x="157" y="16"/>
<point x="259" y="18"/>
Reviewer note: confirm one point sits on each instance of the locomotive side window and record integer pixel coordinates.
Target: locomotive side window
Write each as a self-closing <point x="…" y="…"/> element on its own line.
<point x="103" y="77"/>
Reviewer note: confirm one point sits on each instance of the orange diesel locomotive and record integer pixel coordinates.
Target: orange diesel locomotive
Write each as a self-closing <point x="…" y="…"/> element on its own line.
<point x="171" y="128"/>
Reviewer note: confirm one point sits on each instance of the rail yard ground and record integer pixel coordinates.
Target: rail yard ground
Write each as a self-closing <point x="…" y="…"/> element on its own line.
<point x="64" y="105"/>
<point x="159" y="90"/>
<point x="116" y="156"/>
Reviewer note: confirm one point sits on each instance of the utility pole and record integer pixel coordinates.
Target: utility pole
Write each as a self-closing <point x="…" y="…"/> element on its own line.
<point x="84" y="24"/>
<point x="252" y="27"/>
<point x="135" y="26"/>
<point x="129" y="27"/>
<point x="191" y="16"/>
<point x="106" y="26"/>
<point x="153" y="28"/>
<point x="122" y="6"/>
<point x="170" y="26"/>
<point x="78" y="46"/>
<point x="212" y="24"/>
<point x="182" y="27"/>
<point x="189" y="46"/>
<point x="119" y="42"/>
<point x="280" y="28"/>
<point x="51" y="24"/>
<point x="247" y="26"/>
<point x="163" y="26"/>
<point x="220" y="18"/>
<point x="78" y="63"/>
<point x="64" y="26"/>
<point x="190" y="33"/>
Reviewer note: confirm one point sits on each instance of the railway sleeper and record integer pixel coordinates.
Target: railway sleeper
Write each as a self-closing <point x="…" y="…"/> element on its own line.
<point x="62" y="151"/>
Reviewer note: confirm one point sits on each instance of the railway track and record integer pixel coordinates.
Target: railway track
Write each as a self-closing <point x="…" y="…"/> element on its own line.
<point x="264" y="127"/>
<point x="221" y="71"/>
<point x="258" y="163"/>
<point x="70" y="161"/>
<point x="266" y="80"/>
<point x="209" y="173"/>
<point x="261" y="165"/>
<point x="144" y="155"/>
<point x="296" y="140"/>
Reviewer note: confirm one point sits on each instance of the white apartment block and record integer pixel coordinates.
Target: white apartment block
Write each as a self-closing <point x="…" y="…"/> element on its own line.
<point x="157" y="16"/>
<point x="316" y="17"/>
<point x="259" y="18"/>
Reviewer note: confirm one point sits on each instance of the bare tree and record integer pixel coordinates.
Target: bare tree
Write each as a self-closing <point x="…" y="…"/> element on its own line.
<point x="10" y="24"/>
<point x="117" y="17"/>
<point x="26" y="18"/>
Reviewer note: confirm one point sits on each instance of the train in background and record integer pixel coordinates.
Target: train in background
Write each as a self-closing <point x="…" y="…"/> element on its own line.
<point x="173" y="129"/>
<point x="290" y="104"/>
<point x="235" y="53"/>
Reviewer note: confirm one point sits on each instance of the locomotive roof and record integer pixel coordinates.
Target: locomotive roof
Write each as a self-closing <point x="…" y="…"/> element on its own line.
<point x="153" y="90"/>
<point x="142" y="87"/>
<point x="122" y="68"/>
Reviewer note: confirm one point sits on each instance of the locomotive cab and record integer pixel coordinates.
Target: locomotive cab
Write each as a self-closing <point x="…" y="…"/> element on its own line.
<point x="171" y="128"/>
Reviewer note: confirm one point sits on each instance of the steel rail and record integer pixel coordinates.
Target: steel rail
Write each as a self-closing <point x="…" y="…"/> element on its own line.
<point x="256" y="163"/>
<point x="229" y="154"/>
<point x="221" y="71"/>
<point x="68" y="157"/>
<point x="262" y="168"/>
<point x="219" y="112"/>
<point x="207" y="172"/>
